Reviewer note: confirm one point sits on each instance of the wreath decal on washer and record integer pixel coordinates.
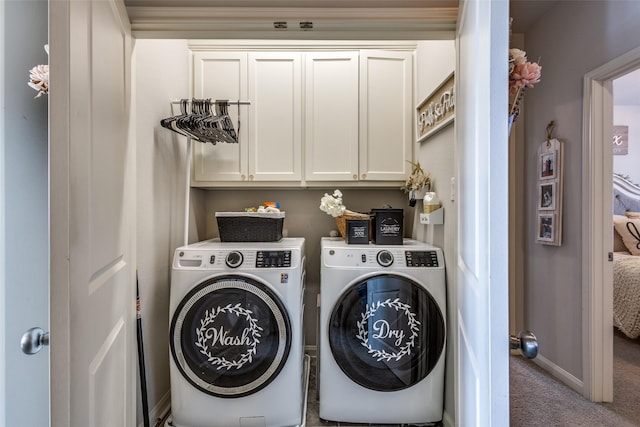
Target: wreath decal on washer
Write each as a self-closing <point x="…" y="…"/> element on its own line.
<point x="405" y="349"/>
<point x="204" y="332"/>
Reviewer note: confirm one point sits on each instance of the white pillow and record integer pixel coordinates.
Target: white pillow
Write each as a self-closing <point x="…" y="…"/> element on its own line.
<point x="629" y="230"/>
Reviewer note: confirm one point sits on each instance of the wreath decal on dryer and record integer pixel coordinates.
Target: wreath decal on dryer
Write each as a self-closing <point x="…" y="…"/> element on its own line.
<point x="405" y="349"/>
<point x="222" y="362"/>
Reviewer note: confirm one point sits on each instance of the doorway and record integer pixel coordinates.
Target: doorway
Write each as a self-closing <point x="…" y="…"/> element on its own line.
<point x="597" y="220"/>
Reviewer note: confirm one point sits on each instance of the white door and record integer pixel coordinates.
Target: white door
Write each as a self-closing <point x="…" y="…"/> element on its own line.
<point x="482" y="265"/>
<point x="24" y="217"/>
<point x="92" y="159"/>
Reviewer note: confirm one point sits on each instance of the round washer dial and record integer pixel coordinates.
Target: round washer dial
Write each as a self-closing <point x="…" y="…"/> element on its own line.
<point x="385" y="258"/>
<point x="234" y="259"/>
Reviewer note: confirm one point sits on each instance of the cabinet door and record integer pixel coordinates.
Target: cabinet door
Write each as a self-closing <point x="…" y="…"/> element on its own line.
<point x="386" y="112"/>
<point x="331" y="116"/>
<point x="221" y="75"/>
<point x="275" y="116"/>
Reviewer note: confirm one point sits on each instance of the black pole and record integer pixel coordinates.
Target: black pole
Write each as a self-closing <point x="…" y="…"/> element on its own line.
<point x="143" y="375"/>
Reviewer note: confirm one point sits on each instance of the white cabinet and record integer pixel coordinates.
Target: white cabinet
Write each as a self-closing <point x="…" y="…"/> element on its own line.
<point x="221" y="75"/>
<point x="331" y="116"/>
<point x="386" y="115"/>
<point x="275" y="116"/>
<point x="359" y="112"/>
<point x="347" y="113"/>
<point x="270" y="128"/>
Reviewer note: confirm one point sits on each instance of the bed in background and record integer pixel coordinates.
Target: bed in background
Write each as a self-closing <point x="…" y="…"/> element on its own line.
<point x="626" y="256"/>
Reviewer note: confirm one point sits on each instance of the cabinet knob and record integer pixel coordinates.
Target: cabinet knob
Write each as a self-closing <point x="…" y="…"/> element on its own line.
<point x="355" y="177"/>
<point x="250" y="177"/>
<point x="243" y="177"/>
<point x="364" y="176"/>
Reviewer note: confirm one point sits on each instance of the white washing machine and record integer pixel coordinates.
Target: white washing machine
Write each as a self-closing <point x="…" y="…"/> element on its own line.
<point x="236" y="335"/>
<point x="382" y="333"/>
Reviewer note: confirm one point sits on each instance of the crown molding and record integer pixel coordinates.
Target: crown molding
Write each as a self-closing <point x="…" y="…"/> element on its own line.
<point x="237" y="22"/>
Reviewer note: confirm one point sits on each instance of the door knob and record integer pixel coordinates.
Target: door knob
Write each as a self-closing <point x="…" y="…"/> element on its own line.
<point x="526" y="342"/>
<point x="33" y="340"/>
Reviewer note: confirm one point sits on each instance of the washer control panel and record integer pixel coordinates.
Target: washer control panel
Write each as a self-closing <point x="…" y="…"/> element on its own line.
<point x="421" y="258"/>
<point x="273" y="259"/>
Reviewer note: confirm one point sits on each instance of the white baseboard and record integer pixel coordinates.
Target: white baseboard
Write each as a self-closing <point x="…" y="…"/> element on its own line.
<point x="559" y="373"/>
<point x="161" y="409"/>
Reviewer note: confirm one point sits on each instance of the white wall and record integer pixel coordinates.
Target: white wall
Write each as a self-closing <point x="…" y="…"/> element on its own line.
<point x="161" y="75"/>
<point x="571" y="39"/>
<point x="435" y="61"/>
<point x="628" y="164"/>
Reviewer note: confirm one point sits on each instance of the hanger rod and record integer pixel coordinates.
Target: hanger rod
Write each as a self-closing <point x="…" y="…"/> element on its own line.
<point x="217" y="101"/>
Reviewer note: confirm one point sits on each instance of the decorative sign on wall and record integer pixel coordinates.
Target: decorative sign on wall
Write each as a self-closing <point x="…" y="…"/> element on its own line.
<point x="437" y="110"/>
<point x="620" y="140"/>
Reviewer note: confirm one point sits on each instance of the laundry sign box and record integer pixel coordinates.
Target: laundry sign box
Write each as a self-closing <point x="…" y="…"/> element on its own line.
<point x="388" y="226"/>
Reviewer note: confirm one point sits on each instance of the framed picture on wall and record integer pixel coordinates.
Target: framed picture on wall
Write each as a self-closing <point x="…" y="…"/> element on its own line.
<point x="547" y="196"/>
<point x="620" y="140"/>
<point x="548" y="165"/>
<point x="546" y="226"/>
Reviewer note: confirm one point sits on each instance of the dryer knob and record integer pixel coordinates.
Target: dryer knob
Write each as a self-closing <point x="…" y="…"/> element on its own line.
<point x="234" y="259"/>
<point x="385" y="258"/>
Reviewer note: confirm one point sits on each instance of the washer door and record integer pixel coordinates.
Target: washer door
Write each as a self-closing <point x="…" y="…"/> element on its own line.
<point x="230" y="336"/>
<point x="386" y="333"/>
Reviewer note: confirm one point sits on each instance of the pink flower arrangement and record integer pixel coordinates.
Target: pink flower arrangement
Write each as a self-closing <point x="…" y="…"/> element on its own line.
<point x="522" y="74"/>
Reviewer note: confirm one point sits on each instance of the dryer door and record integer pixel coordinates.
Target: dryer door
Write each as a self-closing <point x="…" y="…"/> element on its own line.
<point x="230" y="336"/>
<point x="386" y="332"/>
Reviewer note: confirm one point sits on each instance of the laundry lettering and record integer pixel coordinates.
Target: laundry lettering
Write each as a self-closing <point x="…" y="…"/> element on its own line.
<point x="383" y="330"/>
<point x="222" y="336"/>
<point x="390" y="229"/>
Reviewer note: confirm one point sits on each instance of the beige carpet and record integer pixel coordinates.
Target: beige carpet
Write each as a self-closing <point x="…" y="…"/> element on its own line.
<point x="537" y="399"/>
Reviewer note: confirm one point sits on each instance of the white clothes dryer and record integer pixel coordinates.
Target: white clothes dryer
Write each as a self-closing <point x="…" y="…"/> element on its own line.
<point x="382" y="333"/>
<point x="236" y="336"/>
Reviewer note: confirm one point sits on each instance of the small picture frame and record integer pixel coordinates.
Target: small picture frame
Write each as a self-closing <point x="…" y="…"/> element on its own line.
<point x="547" y="196"/>
<point x="548" y="165"/>
<point x="546" y="227"/>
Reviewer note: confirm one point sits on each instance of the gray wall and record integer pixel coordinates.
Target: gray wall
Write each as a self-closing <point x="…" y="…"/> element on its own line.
<point x="572" y="38"/>
<point x="26" y="215"/>
<point x="303" y="218"/>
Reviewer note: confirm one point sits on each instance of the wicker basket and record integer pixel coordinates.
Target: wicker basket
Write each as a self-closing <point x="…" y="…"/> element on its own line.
<point x="341" y="221"/>
<point x="250" y="226"/>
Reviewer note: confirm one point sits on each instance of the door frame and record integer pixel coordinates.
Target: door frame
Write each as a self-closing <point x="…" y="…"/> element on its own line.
<point x="597" y="193"/>
<point x="3" y="325"/>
